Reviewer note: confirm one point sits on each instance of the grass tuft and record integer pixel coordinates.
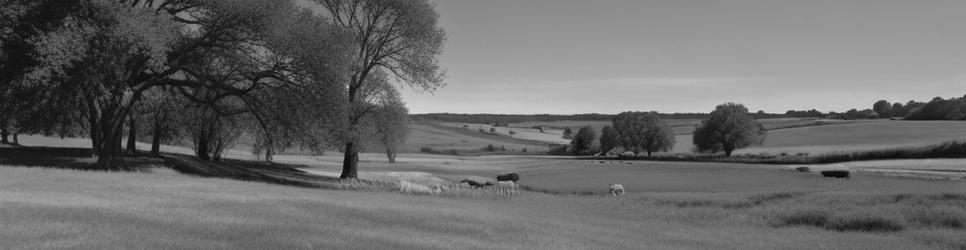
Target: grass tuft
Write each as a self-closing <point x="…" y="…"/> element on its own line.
<point x="939" y="217"/>
<point x="817" y="218"/>
<point x="869" y="223"/>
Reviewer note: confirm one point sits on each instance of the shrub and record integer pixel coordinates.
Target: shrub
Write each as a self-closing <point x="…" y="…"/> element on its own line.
<point x="558" y="150"/>
<point x="489" y="148"/>
<point x="426" y="149"/>
<point x="818" y="218"/>
<point x="524" y="150"/>
<point x="939" y="217"/>
<point x="803" y="169"/>
<point x="864" y="224"/>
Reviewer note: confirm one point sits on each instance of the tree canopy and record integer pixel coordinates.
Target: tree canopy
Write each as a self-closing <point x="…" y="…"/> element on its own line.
<point x="643" y="132"/>
<point x="729" y="128"/>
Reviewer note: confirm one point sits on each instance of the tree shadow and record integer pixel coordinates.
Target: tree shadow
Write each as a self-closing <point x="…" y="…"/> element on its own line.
<point x="80" y="159"/>
<point x="269" y="172"/>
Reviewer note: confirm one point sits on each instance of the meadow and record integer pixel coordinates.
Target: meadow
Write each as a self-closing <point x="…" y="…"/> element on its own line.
<point x="47" y="208"/>
<point x="298" y="203"/>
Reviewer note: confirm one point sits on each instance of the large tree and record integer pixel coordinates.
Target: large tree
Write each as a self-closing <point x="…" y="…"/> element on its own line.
<point x="730" y="127"/>
<point x="227" y="56"/>
<point x="643" y="132"/>
<point x="400" y="38"/>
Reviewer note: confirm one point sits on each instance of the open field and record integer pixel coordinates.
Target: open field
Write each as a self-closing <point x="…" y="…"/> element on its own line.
<point x="553" y="132"/>
<point x="860" y="136"/>
<point x="46" y="208"/>
<point x="669" y="205"/>
<point x="445" y="138"/>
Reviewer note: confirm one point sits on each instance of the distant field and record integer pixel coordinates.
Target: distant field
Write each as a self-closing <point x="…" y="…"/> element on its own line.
<point x="444" y="138"/>
<point x="860" y="136"/>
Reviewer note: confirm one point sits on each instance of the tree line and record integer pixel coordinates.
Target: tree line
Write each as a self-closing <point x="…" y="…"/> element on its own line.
<point x="728" y="128"/>
<point x="209" y="73"/>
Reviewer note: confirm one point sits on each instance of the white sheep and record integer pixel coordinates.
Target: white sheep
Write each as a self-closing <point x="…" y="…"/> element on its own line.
<point x="616" y="189"/>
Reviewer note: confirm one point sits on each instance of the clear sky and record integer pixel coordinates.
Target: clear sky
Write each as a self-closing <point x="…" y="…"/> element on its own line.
<point x="608" y="56"/>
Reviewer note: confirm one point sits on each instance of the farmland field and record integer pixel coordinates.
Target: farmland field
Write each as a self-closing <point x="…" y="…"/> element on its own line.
<point x="920" y="203"/>
<point x="861" y="136"/>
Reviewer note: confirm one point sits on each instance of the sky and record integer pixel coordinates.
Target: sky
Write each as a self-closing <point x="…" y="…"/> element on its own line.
<point x="609" y="56"/>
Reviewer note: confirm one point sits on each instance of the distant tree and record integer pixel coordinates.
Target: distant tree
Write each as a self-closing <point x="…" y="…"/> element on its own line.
<point x="883" y="108"/>
<point x="643" y="132"/>
<point x="581" y="144"/>
<point x="568" y="134"/>
<point x="391" y="127"/>
<point x="729" y="127"/>
<point x="609" y="139"/>
<point x="492" y="130"/>
<point x="898" y="110"/>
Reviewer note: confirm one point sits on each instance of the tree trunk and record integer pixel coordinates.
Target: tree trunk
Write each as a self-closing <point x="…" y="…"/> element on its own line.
<point x="109" y="152"/>
<point x="391" y="154"/>
<point x="648" y="154"/>
<point x="202" y="147"/>
<point x="132" y="136"/>
<point x="156" y="142"/>
<point x="4" y="133"/>
<point x="350" y="163"/>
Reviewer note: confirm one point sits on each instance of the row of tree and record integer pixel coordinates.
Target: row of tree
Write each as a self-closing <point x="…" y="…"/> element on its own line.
<point x="728" y="128"/>
<point x="210" y="72"/>
<point x="936" y="109"/>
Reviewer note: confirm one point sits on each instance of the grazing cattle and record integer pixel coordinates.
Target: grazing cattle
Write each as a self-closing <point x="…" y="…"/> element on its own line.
<point x="836" y="174"/>
<point x="514" y="177"/>
<point x="616" y="189"/>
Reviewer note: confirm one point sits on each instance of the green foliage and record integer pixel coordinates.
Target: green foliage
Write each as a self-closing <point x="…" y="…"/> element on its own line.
<point x="883" y="108"/>
<point x="643" y="132"/>
<point x="581" y="144"/>
<point x="568" y="134"/>
<point x="729" y="128"/>
<point x="609" y="138"/>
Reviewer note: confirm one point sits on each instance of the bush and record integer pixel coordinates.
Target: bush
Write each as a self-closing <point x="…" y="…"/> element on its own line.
<point x="489" y="148"/>
<point x="558" y="150"/>
<point x="818" y="218"/>
<point x="426" y="150"/>
<point x="864" y="224"/>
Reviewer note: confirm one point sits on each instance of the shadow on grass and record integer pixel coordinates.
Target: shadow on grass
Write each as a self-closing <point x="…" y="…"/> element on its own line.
<point x="80" y="159"/>
<point x="275" y="173"/>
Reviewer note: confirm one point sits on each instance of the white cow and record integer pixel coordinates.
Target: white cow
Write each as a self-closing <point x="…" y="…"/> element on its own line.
<point x="616" y="189"/>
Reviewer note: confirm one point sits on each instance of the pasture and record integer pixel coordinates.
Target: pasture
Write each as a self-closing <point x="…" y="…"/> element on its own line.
<point x="668" y="206"/>
<point x="564" y="203"/>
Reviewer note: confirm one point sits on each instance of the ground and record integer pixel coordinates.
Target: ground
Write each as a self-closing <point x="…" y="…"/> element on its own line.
<point x="901" y="204"/>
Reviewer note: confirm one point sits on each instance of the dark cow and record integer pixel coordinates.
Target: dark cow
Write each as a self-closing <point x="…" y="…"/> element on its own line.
<point x="844" y="174"/>
<point x="514" y="177"/>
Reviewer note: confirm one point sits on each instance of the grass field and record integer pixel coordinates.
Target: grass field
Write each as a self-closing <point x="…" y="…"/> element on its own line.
<point x="669" y="205"/>
<point x="860" y="136"/>
<point x="45" y="208"/>
<point x="446" y="138"/>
